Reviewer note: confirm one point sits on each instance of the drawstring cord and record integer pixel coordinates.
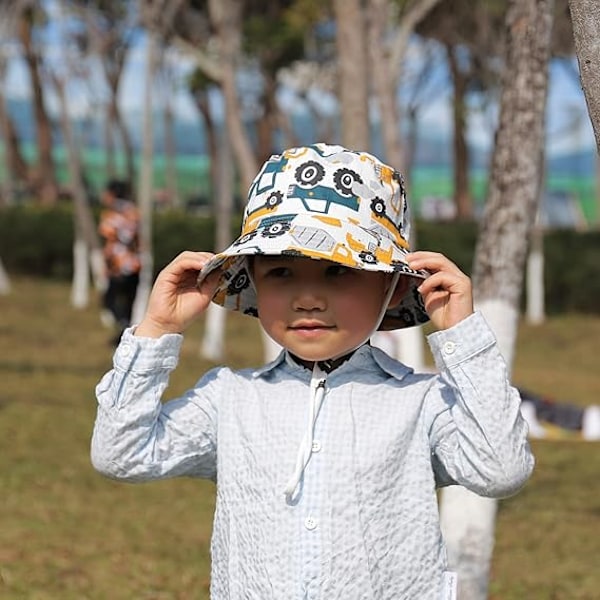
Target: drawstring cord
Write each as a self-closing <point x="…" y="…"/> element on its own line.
<point x="317" y="386"/>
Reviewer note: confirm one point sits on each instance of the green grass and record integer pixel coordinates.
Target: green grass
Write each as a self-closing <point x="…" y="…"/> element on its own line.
<point x="68" y="533"/>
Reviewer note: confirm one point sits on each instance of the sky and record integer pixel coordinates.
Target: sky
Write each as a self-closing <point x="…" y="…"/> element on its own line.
<point x="569" y="128"/>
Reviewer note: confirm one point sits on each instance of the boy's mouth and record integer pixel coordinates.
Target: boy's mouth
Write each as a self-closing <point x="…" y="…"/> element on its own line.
<point x="310" y="325"/>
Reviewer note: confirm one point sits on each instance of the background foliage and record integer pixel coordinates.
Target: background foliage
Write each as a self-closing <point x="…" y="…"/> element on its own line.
<point x="38" y="241"/>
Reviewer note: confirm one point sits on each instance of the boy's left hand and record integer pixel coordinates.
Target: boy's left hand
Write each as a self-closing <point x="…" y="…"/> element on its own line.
<point x="447" y="292"/>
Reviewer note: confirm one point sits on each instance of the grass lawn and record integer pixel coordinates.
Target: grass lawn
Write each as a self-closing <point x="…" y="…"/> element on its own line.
<point x="68" y="533"/>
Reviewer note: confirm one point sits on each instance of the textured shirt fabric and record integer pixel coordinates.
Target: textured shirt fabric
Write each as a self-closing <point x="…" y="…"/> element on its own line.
<point x="364" y="524"/>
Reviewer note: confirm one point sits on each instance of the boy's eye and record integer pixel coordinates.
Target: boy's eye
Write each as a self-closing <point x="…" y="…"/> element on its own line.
<point x="278" y="272"/>
<point x="337" y="270"/>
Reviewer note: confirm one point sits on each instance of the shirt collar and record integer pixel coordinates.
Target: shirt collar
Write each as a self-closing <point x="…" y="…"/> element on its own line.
<point x="365" y="357"/>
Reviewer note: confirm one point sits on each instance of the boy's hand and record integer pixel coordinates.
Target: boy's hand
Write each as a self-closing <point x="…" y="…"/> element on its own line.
<point x="176" y="300"/>
<point x="447" y="292"/>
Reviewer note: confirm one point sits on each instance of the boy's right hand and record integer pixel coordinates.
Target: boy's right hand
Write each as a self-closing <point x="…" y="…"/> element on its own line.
<point x="176" y="300"/>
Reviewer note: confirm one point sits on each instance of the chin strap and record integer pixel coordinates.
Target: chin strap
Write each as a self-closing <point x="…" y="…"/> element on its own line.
<point x="317" y="393"/>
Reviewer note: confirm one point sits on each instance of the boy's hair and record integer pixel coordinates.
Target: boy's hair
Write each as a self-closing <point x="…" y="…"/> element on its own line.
<point x="323" y="202"/>
<point x="119" y="188"/>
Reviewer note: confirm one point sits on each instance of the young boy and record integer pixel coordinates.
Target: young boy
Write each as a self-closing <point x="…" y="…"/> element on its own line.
<point x="327" y="460"/>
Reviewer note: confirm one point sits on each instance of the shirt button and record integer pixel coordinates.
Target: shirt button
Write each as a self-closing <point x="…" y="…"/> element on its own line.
<point x="316" y="446"/>
<point x="449" y="348"/>
<point x="125" y="350"/>
<point x="310" y="523"/>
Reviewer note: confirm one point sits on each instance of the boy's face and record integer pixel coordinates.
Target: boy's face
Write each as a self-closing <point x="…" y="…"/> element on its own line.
<point x="318" y="309"/>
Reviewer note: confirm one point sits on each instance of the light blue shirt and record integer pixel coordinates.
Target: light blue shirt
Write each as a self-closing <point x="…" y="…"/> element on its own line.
<point x="364" y="522"/>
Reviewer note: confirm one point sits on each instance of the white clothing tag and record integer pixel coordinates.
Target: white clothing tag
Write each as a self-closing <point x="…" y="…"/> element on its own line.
<point x="449" y="585"/>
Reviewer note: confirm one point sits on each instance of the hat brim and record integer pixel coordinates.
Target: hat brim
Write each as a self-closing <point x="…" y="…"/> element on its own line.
<point x="307" y="236"/>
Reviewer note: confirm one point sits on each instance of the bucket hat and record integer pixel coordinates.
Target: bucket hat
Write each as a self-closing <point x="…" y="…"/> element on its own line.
<point x="323" y="202"/>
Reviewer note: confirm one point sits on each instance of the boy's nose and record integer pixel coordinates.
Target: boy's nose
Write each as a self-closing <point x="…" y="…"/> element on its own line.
<point x="308" y="298"/>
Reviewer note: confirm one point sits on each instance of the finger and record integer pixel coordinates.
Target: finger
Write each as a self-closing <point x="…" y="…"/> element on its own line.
<point x="431" y="261"/>
<point x="210" y="283"/>
<point x="444" y="280"/>
<point x="184" y="268"/>
<point x="190" y="261"/>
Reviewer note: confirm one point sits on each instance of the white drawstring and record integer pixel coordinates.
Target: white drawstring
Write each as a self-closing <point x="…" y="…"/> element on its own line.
<point x="317" y="387"/>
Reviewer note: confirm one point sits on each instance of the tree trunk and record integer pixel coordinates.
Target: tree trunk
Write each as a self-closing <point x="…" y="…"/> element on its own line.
<point x="7" y="191"/>
<point x="353" y="73"/>
<point x="407" y="345"/>
<point x="585" y="16"/>
<point x="125" y="140"/>
<point x="462" y="194"/>
<point x="534" y="272"/>
<point x="383" y="81"/>
<point x="268" y="119"/>
<point x="86" y="238"/>
<point x="110" y="163"/>
<point x="535" y="278"/>
<point x="467" y="519"/>
<point x="4" y="280"/>
<point x="145" y="199"/>
<point x="45" y="179"/>
<point x="170" y="152"/>
<point x="213" y="344"/>
<point x="226" y="18"/>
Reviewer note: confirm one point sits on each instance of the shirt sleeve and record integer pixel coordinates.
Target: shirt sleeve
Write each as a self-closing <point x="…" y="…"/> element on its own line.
<point x="136" y="437"/>
<point x="478" y="436"/>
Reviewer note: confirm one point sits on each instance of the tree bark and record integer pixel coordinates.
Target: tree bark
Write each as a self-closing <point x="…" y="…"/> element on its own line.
<point x="353" y="73"/>
<point x="467" y="519"/>
<point x="585" y="16"/>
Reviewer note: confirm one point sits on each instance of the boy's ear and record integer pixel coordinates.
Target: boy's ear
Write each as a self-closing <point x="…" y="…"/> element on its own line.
<point x="400" y="291"/>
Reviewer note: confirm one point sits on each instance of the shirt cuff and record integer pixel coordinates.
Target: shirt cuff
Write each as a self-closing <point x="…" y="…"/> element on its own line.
<point x="137" y="353"/>
<point x="461" y="342"/>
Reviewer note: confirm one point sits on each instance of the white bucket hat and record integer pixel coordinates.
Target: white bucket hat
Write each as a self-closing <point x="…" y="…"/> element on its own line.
<point x="323" y="202"/>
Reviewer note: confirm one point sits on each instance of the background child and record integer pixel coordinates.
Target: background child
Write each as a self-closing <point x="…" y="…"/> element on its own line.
<point x="119" y="229"/>
<point x="326" y="460"/>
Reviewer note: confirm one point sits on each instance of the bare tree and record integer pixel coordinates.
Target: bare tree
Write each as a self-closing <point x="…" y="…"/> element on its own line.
<point x="44" y="178"/>
<point x="8" y="19"/>
<point x="467" y="519"/>
<point x="225" y="15"/>
<point x="108" y="34"/>
<point x="145" y="183"/>
<point x="387" y="54"/>
<point x="86" y="248"/>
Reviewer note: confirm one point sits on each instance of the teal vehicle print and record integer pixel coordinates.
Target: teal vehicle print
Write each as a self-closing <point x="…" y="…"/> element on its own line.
<point x="319" y="198"/>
